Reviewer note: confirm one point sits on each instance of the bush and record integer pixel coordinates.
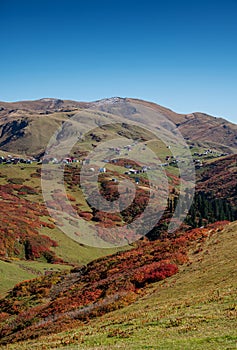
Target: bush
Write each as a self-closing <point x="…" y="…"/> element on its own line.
<point x="153" y="272"/>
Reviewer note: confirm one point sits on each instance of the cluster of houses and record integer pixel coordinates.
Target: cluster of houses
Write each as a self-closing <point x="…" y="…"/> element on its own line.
<point x="132" y="171"/>
<point x="205" y="153"/>
<point x="209" y="152"/>
<point x="16" y="160"/>
<point x="126" y="148"/>
<point x="100" y="170"/>
<point x="198" y="162"/>
<point x="118" y="150"/>
<point x="54" y="160"/>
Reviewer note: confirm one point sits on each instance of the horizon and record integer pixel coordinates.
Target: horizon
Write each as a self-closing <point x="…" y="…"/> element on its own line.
<point x="179" y="55"/>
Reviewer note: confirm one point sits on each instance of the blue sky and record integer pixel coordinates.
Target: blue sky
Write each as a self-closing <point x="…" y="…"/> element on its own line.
<point x="181" y="54"/>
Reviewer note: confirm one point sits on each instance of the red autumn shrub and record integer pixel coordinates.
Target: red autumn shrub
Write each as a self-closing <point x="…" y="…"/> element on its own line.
<point x="153" y="272"/>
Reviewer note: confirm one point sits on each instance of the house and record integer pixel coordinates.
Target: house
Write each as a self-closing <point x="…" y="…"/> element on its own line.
<point x="65" y="160"/>
<point x="133" y="171"/>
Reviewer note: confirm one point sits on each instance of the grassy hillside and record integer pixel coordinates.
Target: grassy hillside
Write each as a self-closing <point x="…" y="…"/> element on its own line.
<point x="178" y="307"/>
<point x="194" y="309"/>
<point x="15" y="271"/>
<point x="25" y="221"/>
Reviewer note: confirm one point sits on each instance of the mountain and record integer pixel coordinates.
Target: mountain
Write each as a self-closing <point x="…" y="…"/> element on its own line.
<point x="26" y="127"/>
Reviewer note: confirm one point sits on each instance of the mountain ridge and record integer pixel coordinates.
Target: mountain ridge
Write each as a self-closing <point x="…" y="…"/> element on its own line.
<point x="28" y="125"/>
<point x="57" y="101"/>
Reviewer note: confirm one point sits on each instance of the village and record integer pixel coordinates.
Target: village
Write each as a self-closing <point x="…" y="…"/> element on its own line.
<point x="170" y="160"/>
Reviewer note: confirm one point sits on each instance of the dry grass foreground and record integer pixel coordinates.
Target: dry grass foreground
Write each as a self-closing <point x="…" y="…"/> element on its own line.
<point x="194" y="309"/>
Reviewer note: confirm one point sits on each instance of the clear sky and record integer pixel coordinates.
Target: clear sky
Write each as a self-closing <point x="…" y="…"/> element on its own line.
<point x="181" y="54"/>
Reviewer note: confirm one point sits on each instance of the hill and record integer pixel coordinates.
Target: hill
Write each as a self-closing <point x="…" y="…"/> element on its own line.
<point x="218" y="179"/>
<point x="26" y="127"/>
<point x="72" y="285"/>
<point x="27" y="232"/>
<point x="28" y="235"/>
<point x="174" y="313"/>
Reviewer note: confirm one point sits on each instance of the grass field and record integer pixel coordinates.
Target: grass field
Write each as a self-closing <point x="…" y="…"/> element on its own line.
<point x="15" y="271"/>
<point x="73" y="252"/>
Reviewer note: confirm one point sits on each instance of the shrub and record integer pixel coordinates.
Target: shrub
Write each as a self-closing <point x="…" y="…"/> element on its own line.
<point x="153" y="272"/>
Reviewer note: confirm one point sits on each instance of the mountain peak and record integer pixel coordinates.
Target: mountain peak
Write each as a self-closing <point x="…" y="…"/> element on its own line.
<point x="111" y="100"/>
